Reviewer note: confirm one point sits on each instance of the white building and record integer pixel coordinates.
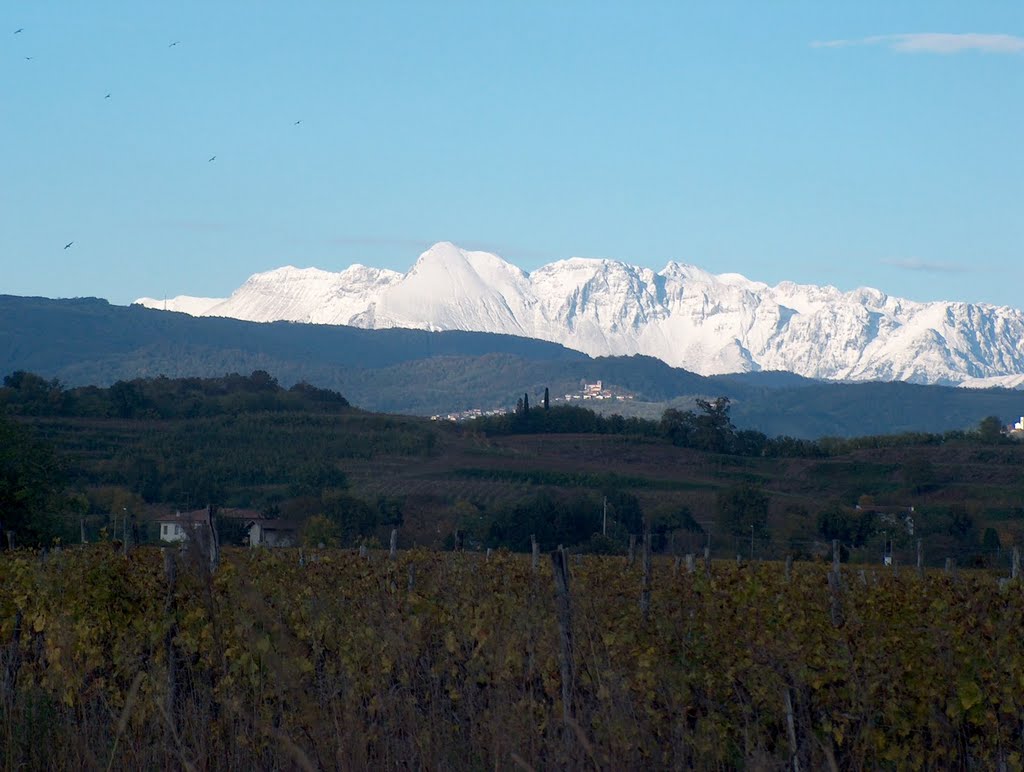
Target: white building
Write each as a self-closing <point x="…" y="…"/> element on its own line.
<point x="176" y="527"/>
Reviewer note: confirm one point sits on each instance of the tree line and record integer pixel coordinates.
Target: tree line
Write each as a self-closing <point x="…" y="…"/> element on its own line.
<point x="25" y="393"/>
<point x="709" y="428"/>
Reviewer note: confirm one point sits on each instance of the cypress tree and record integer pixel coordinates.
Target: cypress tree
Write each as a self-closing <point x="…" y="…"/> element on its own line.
<point x="547" y="401"/>
<point x="526" y="403"/>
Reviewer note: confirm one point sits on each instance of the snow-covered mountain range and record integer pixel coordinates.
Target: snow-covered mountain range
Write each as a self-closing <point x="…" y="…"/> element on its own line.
<point x="682" y="315"/>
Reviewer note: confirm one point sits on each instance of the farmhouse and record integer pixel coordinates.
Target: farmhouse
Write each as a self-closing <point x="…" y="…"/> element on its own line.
<point x="176" y="527"/>
<point x="899" y="517"/>
<point x="273" y="533"/>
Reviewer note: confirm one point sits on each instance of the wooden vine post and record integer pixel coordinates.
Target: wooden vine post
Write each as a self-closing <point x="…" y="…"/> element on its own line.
<point x="563" y="615"/>
<point x="794" y="748"/>
<point x="212" y="540"/>
<point x="13" y="664"/>
<point x="835" y="587"/>
<point x="645" y="576"/>
<point x="171" y="578"/>
<point x="835" y="598"/>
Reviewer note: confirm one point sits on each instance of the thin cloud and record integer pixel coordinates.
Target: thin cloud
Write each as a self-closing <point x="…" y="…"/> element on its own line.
<point x="925" y="266"/>
<point x="935" y="43"/>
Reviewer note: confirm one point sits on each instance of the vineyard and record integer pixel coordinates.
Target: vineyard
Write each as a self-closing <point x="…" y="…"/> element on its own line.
<point x="465" y="661"/>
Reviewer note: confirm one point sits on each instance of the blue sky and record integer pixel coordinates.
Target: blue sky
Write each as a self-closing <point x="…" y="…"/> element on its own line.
<point x="856" y="144"/>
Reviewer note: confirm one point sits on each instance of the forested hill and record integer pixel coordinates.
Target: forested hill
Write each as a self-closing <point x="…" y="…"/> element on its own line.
<point x="90" y="342"/>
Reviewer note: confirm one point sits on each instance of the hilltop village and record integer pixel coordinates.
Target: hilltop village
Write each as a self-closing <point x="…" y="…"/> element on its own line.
<point x="587" y="391"/>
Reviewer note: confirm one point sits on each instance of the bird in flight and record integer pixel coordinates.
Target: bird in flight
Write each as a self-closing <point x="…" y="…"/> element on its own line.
<point x="172" y="45"/>
<point x="107" y="95"/>
<point x="211" y="158"/>
<point x="68" y="244"/>
<point x="19" y="30"/>
<point x="29" y="58"/>
<point x="296" y="123"/>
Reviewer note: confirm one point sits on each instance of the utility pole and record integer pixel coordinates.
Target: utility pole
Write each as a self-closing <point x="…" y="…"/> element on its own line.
<point x="751" y="542"/>
<point x="604" y="522"/>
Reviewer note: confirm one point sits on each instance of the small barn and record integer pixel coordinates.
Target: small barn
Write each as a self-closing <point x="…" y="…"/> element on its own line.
<point x="273" y="533"/>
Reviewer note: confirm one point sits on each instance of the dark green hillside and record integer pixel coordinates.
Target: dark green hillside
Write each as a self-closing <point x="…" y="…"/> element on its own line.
<point x="854" y="409"/>
<point x="150" y="446"/>
<point x="88" y="341"/>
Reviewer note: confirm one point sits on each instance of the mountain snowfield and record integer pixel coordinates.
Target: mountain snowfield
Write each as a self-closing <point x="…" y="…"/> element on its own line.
<point x="687" y="317"/>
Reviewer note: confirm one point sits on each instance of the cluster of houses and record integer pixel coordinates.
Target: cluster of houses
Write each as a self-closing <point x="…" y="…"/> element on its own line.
<point x="468" y="415"/>
<point x="597" y="391"/>
<point x="895" y="517"/>
<point x="261" y="531"/>
<point x="587" y="391"/>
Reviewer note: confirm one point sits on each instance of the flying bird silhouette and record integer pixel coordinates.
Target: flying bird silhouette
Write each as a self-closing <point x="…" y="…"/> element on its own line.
<point x="19" y="30"/>
<point x="296" y="123"/>
<point x="107" y="95"/>
<point x="29" y="58"/>
<point x="211" y="158"/>
<point x="68" y="244"/>
<point x="172" y="45"/>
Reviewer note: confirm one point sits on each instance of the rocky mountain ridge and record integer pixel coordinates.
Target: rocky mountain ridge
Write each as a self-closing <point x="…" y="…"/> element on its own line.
<point x="683" y="315"/>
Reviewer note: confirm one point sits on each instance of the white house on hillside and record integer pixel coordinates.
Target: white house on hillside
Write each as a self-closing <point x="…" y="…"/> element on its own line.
<point x="176" y="527"/>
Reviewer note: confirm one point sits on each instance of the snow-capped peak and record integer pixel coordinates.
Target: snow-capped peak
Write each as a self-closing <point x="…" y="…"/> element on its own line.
<point x="683" y="315"/>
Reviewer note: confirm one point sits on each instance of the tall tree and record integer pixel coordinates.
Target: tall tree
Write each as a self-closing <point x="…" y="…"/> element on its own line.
<point x="742" y="507"/>
<point x="678" y="426"/>
<point x="30" y="486"/>
<point x="714" y="431"/>
<point x="990" y="430"/>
